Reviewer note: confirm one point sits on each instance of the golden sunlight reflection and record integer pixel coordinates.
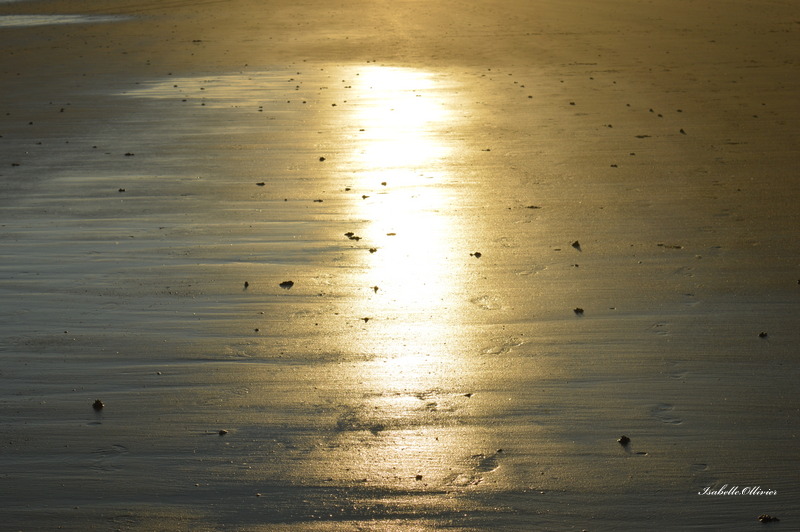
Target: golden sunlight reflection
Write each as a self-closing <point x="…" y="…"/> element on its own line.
<point x="408" y="418"/>
<point x="400" y="162"/>
<point x="400" y="118"/>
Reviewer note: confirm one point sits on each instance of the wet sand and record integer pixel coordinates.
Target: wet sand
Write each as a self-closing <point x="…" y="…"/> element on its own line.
<point x="515" y="231"/>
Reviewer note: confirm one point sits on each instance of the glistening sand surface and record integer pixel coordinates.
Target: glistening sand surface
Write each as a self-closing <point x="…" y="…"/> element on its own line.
<point x="402" y="382"/>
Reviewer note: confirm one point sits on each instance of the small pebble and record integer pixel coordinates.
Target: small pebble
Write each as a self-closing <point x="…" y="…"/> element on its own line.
<point x="578" y="311"/>
<point x="98" y="405"/>
<point x="287" y="284"/>
<point x="762" y="334"/>
<point x="766" y="518"/>
<point x="477" y="254"/>
<point x="223" y="432"/>
<point x="624" y="440"/>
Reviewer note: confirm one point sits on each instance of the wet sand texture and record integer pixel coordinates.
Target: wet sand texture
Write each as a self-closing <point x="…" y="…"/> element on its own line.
<point x="399" y="266"/>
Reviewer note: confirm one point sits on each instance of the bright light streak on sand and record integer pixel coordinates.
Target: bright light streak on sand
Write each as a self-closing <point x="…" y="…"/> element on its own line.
<point x="399" y="118"/>
<point x="401" y="157"/>
<point x="411" y="257"/>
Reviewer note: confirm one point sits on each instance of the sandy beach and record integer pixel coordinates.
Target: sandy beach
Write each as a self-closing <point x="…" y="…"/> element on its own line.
<point x="489" y="265"/>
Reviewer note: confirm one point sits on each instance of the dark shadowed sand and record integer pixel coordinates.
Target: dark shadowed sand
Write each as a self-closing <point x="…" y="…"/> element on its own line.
<point x="514" y="231"/>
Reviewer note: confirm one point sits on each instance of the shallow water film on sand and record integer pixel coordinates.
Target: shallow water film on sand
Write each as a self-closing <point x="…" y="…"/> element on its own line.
<point x="556" y="291"/>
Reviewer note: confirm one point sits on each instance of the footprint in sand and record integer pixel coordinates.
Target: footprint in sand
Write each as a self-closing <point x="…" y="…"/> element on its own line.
<point x="485" y="302"/>
<point x="676" y="371"/>
<point x="661" y="328"/>
<point x="663" y="413"/>
<point x="478" y="465"/>
<point x="106" y="459"/>
<point x="501" y="346"/>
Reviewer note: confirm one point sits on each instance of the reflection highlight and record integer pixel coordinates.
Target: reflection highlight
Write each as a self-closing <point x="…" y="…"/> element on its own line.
<point x="401" y="159"/>
<point x="408" y="424"/>
<point x="401" y="121"/>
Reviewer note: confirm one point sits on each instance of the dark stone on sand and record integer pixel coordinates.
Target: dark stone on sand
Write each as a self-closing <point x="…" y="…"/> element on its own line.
<point x="578" y="311"/>
<point x="766" y="518"/>
<point x="365" y="319"/>
<point x="98" y="405"/>
<point x="373" y="250"/>
<point x="321" y="159"/>
<point x="222" y="432"/>
<point x="537" y="207"/>
<point x="129" y="154"/>
<point x="762" y="334"/>
<point x="121" y="190"/>
<point x="477" y="254"/>
<point x="317" y="201"/>
<point x="418" y="477"/>
<point x="576" y="245"/>
<point x="624" y="440"/>
<point x="287" y="284"/>
<point x="261" y="184"/>
<point x="246" y="284"/>
<point x="683" y="132"/>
